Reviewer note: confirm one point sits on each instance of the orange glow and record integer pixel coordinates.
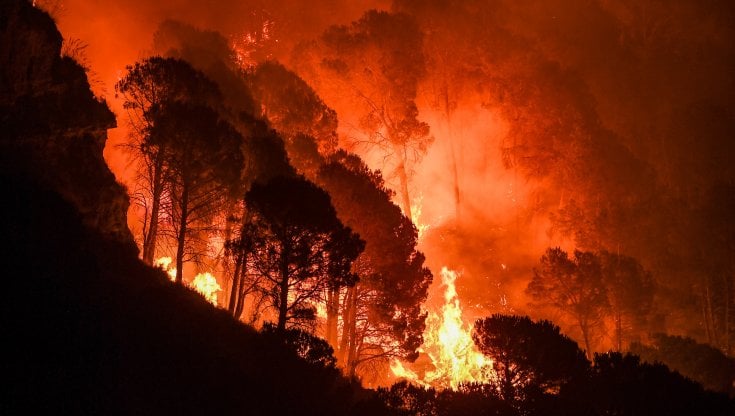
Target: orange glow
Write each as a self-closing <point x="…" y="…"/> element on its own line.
<point x="204" y="283"/>
<point x="165" y="264"/>
<point x="416" y="209"/>
<point x="400" y="371"/>
<point x="448" y="344"/>
<point x="207" y="285"/>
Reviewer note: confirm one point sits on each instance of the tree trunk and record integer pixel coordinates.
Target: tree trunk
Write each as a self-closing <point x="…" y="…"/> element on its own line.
<point x="151" y="234"/>
<point x="619" y="330"/>
<point x="182" y="236"/>
<point x="712" y="330"/>
<point x="283" y="294"/>
<point x="332" y="314"/>
<point x="353" y="343"/>
<point x="508" y="388"/>
<point x="403" y="186"/>
<point x="347" y="323"/>
<point x="241" y="293"/>
<point x="235" y="289"/>
<point x="586" y="336"/>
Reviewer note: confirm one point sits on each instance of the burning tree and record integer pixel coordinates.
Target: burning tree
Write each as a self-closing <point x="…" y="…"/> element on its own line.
<point x="574" y="287"/>
<point x="297" y="247"/>
<point x="381" y="314"/>
<point x="379" y="60"/>
<point x="148" y="88"/>
<point x="456" y="71"/>
<point x="265" y="159"/>
<point x="292" y="107"/>
<point x="203" y="164"/>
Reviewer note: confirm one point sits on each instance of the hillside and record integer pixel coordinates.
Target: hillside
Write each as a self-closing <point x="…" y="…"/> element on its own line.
<point x="90" y="329"/>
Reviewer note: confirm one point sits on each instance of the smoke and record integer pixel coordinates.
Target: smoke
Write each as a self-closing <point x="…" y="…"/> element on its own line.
<point x="612" y="119"/>
<point x="120" y="32"/>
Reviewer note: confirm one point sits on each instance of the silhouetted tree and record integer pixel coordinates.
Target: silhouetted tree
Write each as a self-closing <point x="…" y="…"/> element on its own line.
<point x="715" y="236"/>
<point x="573" y="286"/>
<point x="381" y="314"/>
<point x="453" y="75"/>
<point x="528" y="354"/>
<point x="311" y="348"/>
<point x="404" y="398"/>
<point x="621" y="384"/>
<point x="630" y="291"/>
<point x="203" y="165"/>
<point x="209" y="52"/>
<point x="379" y="60"/>
<point x="700" y="362"/>
<point x="292" y="107"/>
<point x="148" y="88"/>
<point x="298" y="246"/>
<point x="265" y="159"/>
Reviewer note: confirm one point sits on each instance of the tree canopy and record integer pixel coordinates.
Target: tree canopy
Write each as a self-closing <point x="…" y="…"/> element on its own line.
<point x="528" y="354"/>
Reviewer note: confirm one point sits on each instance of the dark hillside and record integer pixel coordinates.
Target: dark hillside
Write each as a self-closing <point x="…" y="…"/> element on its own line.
<point x="87" y="327"/>
<point x="52" y="128"/>
<point x="90" y="329"/>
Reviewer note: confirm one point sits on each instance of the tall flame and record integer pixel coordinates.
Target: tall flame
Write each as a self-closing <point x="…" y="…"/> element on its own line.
<point x="449" y="345"/>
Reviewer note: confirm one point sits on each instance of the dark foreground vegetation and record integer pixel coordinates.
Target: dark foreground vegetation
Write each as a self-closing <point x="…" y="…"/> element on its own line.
<point x="88" y="328"/>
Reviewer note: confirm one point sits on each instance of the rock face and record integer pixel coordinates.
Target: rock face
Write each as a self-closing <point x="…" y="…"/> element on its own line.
<point x="52" y="128"/>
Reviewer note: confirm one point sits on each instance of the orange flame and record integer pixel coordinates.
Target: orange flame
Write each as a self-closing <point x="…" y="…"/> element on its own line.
<point x="165" y="264"/>
<point x="416" y="216"/>
<point x="204" y="283"/>
<point x="448" y="344"/>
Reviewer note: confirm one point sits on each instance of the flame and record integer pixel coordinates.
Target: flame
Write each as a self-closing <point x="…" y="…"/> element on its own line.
<point x="416" y="216"/>
<point x="207" y="285"/>
<point x="400" y="371"/>
<point x="449" y="345"/>
<point x="246" y="44"/>
<point x="204" y="283"/>
<point x="165" y="264"/>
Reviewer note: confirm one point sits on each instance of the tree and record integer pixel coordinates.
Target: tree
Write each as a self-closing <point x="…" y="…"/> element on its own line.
<point x="630" y="291"/>
<point x="700" y="362"/>
<point x="312" y="349"/>
<point x="451" y="83"/>
<point x="148" y="88"/>
<point x="298" y="246"/>
<point x="714" y="231"/>
<point x="528" y="354"/>
<point x="292" y="107"/>
<point x="381" y="314"/>
<point x="621" y="384"/>
<point x="379" y="60"/>
<point x="573" y="286"/>
<point x="211" y="53"/>
<point x="265" y="159"/>
<point x="203" y="164"/>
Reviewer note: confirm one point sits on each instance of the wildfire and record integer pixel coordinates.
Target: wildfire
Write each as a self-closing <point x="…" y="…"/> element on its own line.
<point x="165" y="264"/>
<point x="448" y="344"/>
<point x="207" y="285"/>
<point x="204" y="283"/>
<point x="416" y="216"/>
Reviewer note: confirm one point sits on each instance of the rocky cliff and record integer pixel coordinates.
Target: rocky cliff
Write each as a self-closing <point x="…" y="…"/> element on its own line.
<point x="52" y="128"/>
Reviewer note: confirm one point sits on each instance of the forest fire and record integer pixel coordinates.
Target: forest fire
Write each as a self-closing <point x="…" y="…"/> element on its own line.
<point x="477" y="205"/>
<point x="448" y="344"/>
